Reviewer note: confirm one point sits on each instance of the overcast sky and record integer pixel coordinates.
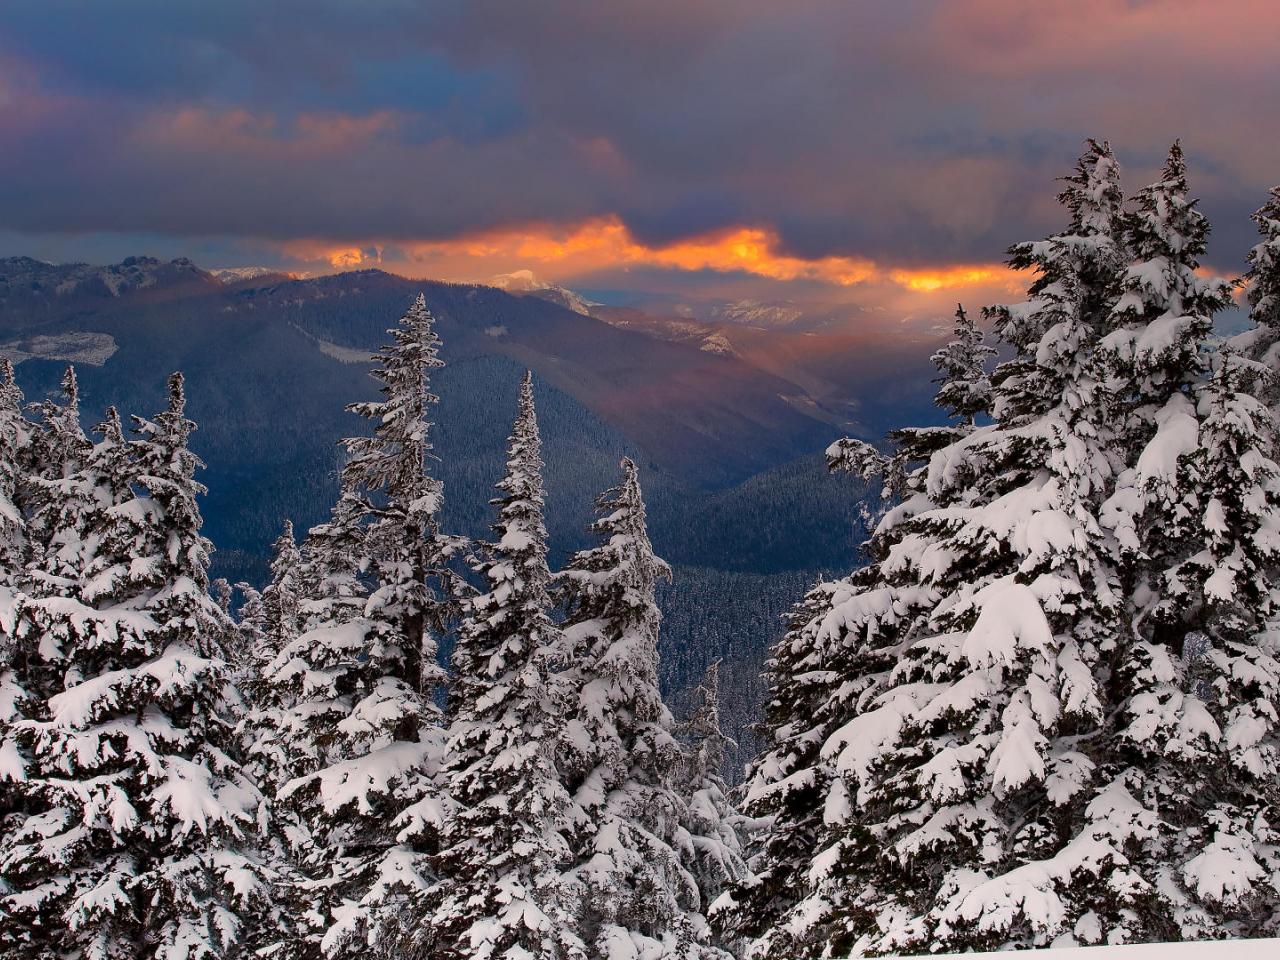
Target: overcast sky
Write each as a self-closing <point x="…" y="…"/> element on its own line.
<point x="882" y="153"/>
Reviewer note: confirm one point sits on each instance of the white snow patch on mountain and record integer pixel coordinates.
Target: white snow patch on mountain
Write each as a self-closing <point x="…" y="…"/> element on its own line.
<point x="237" y="274"/>
<point x="93" y="349"/>
<point x="754" y="313"/>
<point x="718" y="344"/>
<point x="337" y="351"/>
<point x="524" y="283"/>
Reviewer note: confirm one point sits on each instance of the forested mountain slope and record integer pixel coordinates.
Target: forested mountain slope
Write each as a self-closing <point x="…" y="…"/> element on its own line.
<point x="731" y="462"/>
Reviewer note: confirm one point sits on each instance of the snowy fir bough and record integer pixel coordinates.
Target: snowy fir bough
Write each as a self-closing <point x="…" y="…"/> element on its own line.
<point x="1045" y="712"/>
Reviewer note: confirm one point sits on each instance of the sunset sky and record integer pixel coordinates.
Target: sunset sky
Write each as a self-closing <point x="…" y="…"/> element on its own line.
<point x="882" y="155"/>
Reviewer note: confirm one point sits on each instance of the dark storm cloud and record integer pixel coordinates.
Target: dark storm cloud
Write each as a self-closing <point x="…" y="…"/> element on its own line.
<point x="906" y="132"/>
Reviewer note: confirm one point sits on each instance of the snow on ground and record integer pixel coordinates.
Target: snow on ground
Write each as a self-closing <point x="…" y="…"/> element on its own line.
<point x="1204" y="950"/>
<point x="94" y="349"/>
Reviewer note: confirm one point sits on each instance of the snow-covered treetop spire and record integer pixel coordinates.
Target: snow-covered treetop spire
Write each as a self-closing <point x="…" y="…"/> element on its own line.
<point x="521" y="529"/>
<point x="500" y="894"/>
<point x="616" y="579"/>
<point x="109" y="428"/>
<point x="964" y="392"/>
<point x="166" y="467"/>
<point x="1093" y="193"/>
<point x="394" y="459"/>
<point x="709" y="742"/>
<point x="966" y="388"/>
<point x="516" y="607"/>
<point x="414" y="591"/>
<point x="1264" y="265"/>
<point x="1165" y="310"/>
<point x="63" y="436"/>
<point x="281" y="598"/>
<point x="11" y="419"/>
<point x="1069" y="300"/>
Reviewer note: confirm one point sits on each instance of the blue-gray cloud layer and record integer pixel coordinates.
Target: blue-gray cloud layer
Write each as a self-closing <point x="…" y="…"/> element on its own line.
<point x="905" y="132"/>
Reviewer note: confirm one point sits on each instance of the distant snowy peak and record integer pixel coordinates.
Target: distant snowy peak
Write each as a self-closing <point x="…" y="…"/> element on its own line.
<point x="241" y="274"/>
<point x="717" y="343"/>
<point x="754" y="313"/>
<point x="524" y="283"/>
<point x="32" y="277"/>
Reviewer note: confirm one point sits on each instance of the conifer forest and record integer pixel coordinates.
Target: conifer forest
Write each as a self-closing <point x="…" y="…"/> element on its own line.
<point x="1043" y="708"/>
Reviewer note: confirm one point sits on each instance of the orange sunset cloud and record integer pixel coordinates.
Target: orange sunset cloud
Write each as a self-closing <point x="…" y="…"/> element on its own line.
<point x="582" y="249"/>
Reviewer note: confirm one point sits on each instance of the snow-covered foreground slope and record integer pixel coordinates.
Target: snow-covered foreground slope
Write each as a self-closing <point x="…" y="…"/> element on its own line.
<point x="1204" y="950"/>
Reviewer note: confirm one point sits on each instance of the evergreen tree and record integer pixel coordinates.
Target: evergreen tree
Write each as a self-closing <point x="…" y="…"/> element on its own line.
<point x="635" y="861"/>
<point x="842" y="640"/>
<point x="414" y="591"/>
<point x="223" y="593"/>
<point x="923" y="790"/>
<point x="281" y="603"/>
<point x="1259" y="344"/>
<point x="966" y="388"/>
<point x="251" y="618"/>
<point x="964" y="392"/>
<point x="16" y="699"/>
<point x="710" y="819"/>
<point x="58" y="449"/>
<point x="15" y="434"/>
<point x="130" y="847"/>
<point x="502" y="892"/>
<point x="269" y="622"/>
<point x="352" y="746"/>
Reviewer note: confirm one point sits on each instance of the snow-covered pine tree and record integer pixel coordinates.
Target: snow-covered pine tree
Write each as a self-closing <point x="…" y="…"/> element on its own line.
<point x="840" y="643"/>
<point x="1193" y="512"/>
<point x="710" y="819"/>
<point x="58" y="449"/>
<point x="979" y="808"/>
<point x="1218" y="861"/>
<point x="1261" y="343"/>
<point x="269" y="622"/>
<point x="129" y="848"/>
<point x="74" y="512"/>
<point x="15" y="433"/>
<point x="945" y="781"/>
<point x="281" y="603"/>
<point x="964" y="393"/>
<point x="316" y="751"/>
<point x="502" y="893"/>
<point x="15" y="695"/>
<point x="965" y="390"/>
<point x="251" y="617"/>
<point x="634" y="861"/>
<point x="1084" y="263"/>
<point x="415" y="591"/>
<point x="358" y="743"/>
<point x="223" y="593"/>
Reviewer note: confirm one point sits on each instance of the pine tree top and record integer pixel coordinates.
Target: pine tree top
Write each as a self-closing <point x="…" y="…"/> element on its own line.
<point x="965" y="390"/>
<point x="1264" y="265"/>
